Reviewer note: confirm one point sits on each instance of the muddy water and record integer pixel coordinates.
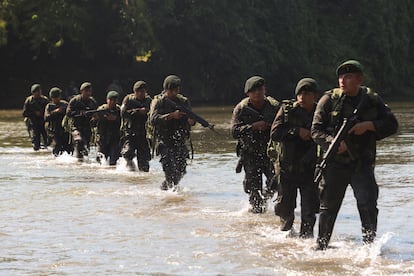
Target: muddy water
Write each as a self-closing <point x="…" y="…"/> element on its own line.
<point x="61" y="217"/>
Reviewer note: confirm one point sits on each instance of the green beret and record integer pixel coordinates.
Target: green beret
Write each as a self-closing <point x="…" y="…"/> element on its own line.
<point x="253" y="83"/>
<point x="306" y="84"/>
<point x="171" y="82"/>
<point x="35" y="87"/>
<point x="55" y="92"/>
<point x="112" y="95"/>
<point x="139" y="84"/>
<point x="85" y="85"/>
<point x="349" y="66"/>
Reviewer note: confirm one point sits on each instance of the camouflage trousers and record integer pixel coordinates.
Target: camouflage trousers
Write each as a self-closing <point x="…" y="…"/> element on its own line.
<point x="336" y="179"/>
<point x="137" y="145"/>
<point x="255" y="166"/>
<point x="174" y="162"/>
<point x="290" y="183"/>
<point x="81" y="140"/>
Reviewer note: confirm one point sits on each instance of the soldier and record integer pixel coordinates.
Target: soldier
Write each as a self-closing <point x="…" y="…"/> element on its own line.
<point x="297" y="158"/>
<point x="172" y="129"/>
<point x="108" y="129"/>
<point x="354" y="161"/>
<point x="33" y="112"/>
<point x="251" y="122"/>
<point x="54" y="113"/>
<point x="134" y="110"/>
<point x="81" y="127"/>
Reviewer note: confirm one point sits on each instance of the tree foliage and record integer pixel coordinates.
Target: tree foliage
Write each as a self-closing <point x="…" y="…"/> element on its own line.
<point x="213" y="45"/>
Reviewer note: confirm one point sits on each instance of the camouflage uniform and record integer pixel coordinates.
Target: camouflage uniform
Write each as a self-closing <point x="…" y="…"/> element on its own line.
<point x="252" y="149"/>
<point x="171" y="136"/>
<point x="356" y="166"/>
<point x="81" y="125"/>
<point x="54" y="117"/>
<point x="134" y="131"/>
<point x="35" y="122"/>
<point x="108" y="133"/>
<point x="296" y="161"/>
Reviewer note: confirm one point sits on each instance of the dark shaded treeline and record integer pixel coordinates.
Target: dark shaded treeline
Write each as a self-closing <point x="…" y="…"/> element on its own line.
<point x="213" y="45"/>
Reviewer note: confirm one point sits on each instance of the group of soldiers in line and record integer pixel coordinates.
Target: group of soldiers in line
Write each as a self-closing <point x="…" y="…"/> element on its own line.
<point x="283" y="141"/>
<point x="126" y="130"/>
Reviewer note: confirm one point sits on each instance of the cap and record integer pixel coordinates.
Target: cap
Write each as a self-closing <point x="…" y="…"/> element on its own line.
<point x="349" y="66"/>
<point x="139" y="84"/>
<point x="55" y="92"/>
<point x="35" y="87"/>
<point x="85" y="85"/>
<point x="306" y="84"/>
<point x="171" y="82"/>
<point x="112" y="95"/>
<point x="253" y="83"/>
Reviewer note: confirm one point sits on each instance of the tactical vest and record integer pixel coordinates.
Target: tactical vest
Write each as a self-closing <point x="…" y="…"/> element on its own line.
<point x="296" y="154"/>
<point x="358" y="145"/>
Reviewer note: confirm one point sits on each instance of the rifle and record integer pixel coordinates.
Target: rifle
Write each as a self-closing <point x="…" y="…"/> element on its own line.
<point x="347" y="124"/>
<point x="190" y="114"/>
<point x="90" y="113"/>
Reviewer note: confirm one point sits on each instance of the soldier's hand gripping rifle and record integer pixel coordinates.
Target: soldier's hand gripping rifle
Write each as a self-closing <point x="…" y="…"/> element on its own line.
<point x="347" y="124"/>
<point x="190" y="114"/>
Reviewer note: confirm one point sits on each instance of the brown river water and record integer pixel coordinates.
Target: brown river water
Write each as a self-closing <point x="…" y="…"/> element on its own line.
<point x="62" y="217"/>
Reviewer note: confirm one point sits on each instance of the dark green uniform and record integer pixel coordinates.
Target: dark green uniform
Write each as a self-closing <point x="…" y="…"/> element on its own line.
<point x="81" y="125"/>
<point x="171" y="136"/>
<point x="134" y="131"/>
<point x="33" y="111"/>
<point x="108" y="133"/>
<point x="354" y="167"/>
<point x="59" y="135"/>
<point x="252" y="149"/>
<point x="296" y="160"/>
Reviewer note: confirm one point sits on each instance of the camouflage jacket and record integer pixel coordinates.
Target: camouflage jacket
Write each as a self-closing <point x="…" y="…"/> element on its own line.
<point x="171" y="132"/>
<point x="334" y="106"/>
<point x="54" y="119"/>
<point x="32" y="105"/>
<point x="75" y="106"/>
<point x="108" y="129"/>
<point x="294" y="153"/>
<point x="244" y="115"/>
<point x="133" y="122"/>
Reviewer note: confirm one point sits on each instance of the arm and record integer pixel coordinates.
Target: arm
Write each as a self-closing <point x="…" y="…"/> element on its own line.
<point x="319" y="131"/>
<point x="238" y="127"/>
<point x="386" y="124"/>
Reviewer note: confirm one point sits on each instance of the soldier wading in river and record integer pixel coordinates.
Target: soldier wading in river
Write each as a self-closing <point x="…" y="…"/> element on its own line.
<point x="33" y="113"/>
<point x="80" y="123"/>
<point x="134" y="110"/>
<point x="172" y="130"/>
<point x="251" y="122"/>
<point x="54" y="114"/>
<point x="354" y="161"/>
<point x="297" y="158"/>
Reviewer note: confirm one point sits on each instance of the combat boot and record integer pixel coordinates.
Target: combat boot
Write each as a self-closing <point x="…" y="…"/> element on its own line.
<point x="257" y="202"/>
<point x="368" y="236"/>
<point x="164" y="186"/>
<point x="286" y="223"/>
<point x="306" y="230"/>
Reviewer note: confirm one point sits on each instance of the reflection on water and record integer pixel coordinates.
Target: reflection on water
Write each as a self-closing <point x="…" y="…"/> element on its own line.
<point x="61" y="217"/>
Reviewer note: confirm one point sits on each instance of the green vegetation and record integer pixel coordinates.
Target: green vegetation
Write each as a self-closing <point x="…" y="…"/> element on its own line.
<point x="214" y="45"/>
